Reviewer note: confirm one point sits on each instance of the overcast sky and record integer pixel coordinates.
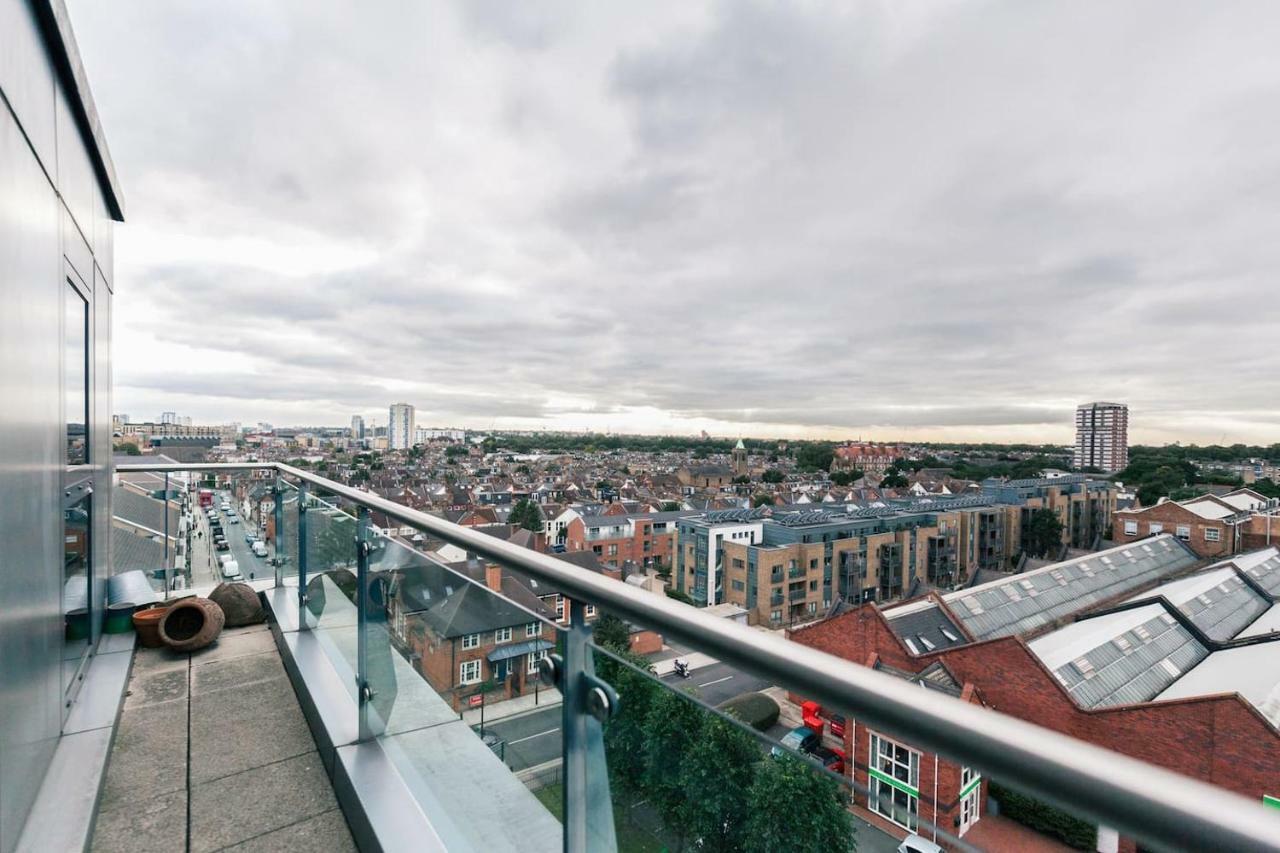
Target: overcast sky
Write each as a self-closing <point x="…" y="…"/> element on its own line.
<point x="893" y="220"/>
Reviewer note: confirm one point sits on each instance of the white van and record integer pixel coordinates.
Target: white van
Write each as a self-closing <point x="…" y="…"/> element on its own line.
<point x="259" y="548"/>
<point x="230" y="570"/>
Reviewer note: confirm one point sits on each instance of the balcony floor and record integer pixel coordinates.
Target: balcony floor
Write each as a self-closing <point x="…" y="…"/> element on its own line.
<point x="213" y="753"/>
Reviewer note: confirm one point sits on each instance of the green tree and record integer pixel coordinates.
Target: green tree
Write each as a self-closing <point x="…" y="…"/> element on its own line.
<point x="526" y="514"/>
<point x="814" y="456"/>
<point x="627" y="733"/>
<point x="741" y="478"/>
<point x="716" y="775"/>
<point x="670" y="506"/>
<point x="1043" y="533"/>
<point x="128" y="448"/>
<point x="894" y="479"/>
<point x="845" y="478"/>
<point x="673" y="726"/>
<point x="611" y="632"/>
<point x="815" y="817"/>
<point x="761" y="500"/>
<point x="773" y="475"/>
<point x="672" y="592"/>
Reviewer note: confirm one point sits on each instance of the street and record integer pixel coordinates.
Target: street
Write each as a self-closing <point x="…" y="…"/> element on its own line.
<point x="532" y="738"/>
<point x="716" y="683"/>
<point x="204" y="568"/>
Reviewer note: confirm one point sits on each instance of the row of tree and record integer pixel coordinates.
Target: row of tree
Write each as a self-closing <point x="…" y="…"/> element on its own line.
<point x="711" y="781"/>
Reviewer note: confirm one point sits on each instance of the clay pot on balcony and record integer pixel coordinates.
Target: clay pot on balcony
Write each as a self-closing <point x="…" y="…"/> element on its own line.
<point x="147" y="623"/>
<point x="191" y="624"/>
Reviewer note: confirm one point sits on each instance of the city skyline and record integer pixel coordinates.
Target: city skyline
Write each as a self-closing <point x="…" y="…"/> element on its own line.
<point x="955" y="231"/>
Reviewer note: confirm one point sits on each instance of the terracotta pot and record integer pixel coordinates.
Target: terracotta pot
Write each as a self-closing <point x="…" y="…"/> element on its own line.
<point x="191" y="624"/>
<point x="147" y="623"/>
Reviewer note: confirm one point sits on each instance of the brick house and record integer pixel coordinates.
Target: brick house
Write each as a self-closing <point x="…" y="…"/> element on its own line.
<point x="1202" y="523"/>
<point x="647" y="540"/>
<point x="463" y="638"/>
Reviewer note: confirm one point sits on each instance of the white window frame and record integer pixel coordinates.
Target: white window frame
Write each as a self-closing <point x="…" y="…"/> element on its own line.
<point x="533" y="629"/>
<point x="1130" y="528"/>
<point x="470" y="641"/>
<point x="1216" y="537"/>
<point x="591" y="610"/>
<point x="502" y="635"/>
<point x="884" y="759"/>
<point x="970" y="798"/>
<point x="532" y="667"/>
<point x="470" y="671"/>
<point x="1184" y="532"/>
<point x="1155" y="527"/>
<point x="560" y="608"/>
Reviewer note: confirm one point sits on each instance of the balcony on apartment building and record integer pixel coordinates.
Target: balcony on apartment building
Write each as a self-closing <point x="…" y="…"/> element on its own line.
<point x="322" y="722"/>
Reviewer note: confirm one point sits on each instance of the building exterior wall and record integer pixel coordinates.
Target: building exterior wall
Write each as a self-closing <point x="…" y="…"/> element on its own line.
<point x="1102" y="437"/>
<point x="1206" y="537"/>
<point x="400" y="427"/>
<point x="57" y="204"/>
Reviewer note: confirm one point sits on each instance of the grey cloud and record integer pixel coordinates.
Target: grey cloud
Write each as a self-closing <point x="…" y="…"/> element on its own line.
<point x="815" y="215"/>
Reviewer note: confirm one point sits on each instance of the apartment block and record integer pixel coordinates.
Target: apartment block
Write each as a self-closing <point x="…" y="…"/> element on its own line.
<point x="1102" y="437"/>
<point x="647" y="540"/>
<point x="400" y="428"/>
<point x="1083" y="504"/>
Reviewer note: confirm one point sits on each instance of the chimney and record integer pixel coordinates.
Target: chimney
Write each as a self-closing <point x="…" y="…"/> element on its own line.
<point x="493" y="577"/>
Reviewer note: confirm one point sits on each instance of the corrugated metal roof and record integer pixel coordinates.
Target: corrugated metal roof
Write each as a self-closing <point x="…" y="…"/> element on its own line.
<point x="1018" y="604"/>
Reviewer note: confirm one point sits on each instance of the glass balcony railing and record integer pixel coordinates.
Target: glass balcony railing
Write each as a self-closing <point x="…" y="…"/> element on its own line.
<point x="612" y="749"/>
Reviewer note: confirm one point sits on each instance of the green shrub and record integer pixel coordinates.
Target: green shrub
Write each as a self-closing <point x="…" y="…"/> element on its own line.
<point x="755" y="709"/>
<point x="1044" y="818"/>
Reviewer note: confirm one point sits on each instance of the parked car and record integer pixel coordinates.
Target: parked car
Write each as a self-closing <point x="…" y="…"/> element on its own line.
<point x="249" y="537"/>
<point x="232" y="518"/>
<point x="221" y="545"/>
<point x="832" y="759"/>
<point x="259" y="548"/>
<point x="231" y="570"/>
<point x="916" y="844"/>
<point x="800" y="739"/>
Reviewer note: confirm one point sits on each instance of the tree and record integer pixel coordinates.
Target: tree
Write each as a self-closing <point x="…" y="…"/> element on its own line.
<point x="816" y="818"/>
<point x="672" y="592"/>
<point x="812" y="456"/>
<point x="845" y="478"/>
<point x="894" y="479"/>
<point x="127" y="447"/>
<point x="773" y="475"/>
<point x="627" y="733"/>
<point x="673" y="727"/>
<point x="761" y="500"/>
<point x="670" y="506"/>
<point x="611" y="632"/>
<point x="741" y="478"/>
<point x="489" y="445"/>
<point x="716" y="776"/>
<point x="526" y="514"/>
<point x="1043" y="533"/>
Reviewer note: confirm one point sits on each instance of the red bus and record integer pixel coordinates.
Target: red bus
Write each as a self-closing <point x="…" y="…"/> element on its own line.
<point x="206" y="497"/>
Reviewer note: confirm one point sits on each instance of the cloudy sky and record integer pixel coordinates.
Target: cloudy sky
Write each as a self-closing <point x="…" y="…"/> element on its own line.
<point x="893" y="220"/>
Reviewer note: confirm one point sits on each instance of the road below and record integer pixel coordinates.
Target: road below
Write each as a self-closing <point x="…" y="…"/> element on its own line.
<point x="531" y="739"/>
<point x="716" y="683"/>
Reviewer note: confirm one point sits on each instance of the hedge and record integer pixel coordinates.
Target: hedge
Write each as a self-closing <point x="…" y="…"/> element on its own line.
<point x="1044" y="818"/>
<point x="755" y="709"/>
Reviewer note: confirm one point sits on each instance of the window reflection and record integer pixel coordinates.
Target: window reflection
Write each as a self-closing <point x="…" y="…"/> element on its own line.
<point x="76" y="377"/>
<point x="76" y="561"/>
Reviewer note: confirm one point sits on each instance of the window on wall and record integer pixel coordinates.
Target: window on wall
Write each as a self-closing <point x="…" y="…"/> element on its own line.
<point x="533" y="629"/>
<point x="1155" y="527"/>
<point x="1184" y="532"/>
<point x="1131" y="528"/>
<point x="469" y="672"/>
<point x="1212" y="534"/>
<point x="502" y="635"/>
<point x="471" y="641"/>
<point x="76" y="562"/>
<point x="534" y="658"/>
<point x="894" y="772"/>
<point x="76" y="375"/>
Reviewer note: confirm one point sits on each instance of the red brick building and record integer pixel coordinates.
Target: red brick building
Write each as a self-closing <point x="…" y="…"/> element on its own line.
<point x="1193" y="670"/>
<point x="646" y="540"/>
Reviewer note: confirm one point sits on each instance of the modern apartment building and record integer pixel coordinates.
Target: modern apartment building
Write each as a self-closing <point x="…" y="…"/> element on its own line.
<point x="1083" y="504"/>
<point x="1102" y="437"/>
<point x="647" y="540"/>
<point x="357" y="428"/>
<point x="400" y="428"/>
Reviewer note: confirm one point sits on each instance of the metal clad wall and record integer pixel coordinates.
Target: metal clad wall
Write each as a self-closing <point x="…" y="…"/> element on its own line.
<point x="42" y="243"/>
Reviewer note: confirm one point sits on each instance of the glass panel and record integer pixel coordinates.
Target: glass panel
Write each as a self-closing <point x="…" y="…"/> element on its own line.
<point x="330" y="579"/>
<point x="282" y="549"/>
<point x="76" y="562"/>
<point x="228" y="514"/>
<point x="683" y="774"/>
<point x="76" y="375"/>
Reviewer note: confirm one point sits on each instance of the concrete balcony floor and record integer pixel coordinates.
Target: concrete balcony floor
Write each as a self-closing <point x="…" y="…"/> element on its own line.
<point x="212" y="753"/>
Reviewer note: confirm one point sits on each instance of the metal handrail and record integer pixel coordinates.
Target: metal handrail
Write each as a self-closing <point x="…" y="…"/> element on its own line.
<point x="1154" y="805"/>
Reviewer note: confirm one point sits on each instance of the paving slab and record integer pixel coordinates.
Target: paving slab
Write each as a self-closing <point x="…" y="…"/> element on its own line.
<point x="150" y="825"/>
<point x="153" y="687"/>
<point x="233" y="644"/>
<point x="150" y="660"/>
<point x="327" y="832"/>
<point x="149" y="756"/>
<point x="237" y="808"/>
<point x="236" y="672"/>
<point x="240" y="728"/>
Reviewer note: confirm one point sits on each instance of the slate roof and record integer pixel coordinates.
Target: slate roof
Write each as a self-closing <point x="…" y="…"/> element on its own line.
<point x="143" y="511"/>
<point x="935" y="676"/>
<point x="1021" y="603"/>
<point x="130" y="551"/>
<point x="924" y="628"/>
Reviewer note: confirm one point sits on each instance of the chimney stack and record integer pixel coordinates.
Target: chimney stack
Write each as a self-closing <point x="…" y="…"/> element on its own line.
<point x="493" y="577"/>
